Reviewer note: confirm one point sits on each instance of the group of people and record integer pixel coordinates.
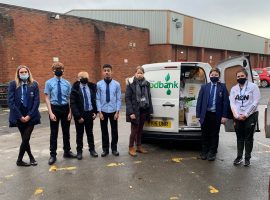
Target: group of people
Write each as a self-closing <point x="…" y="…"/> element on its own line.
<point x="84" y="101"/>
<point x="214" y="107"/>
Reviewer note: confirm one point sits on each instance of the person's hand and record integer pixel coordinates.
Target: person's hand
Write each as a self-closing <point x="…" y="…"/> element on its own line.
<point x="116" y="116"/>
<point x="101" y="117"/>
<point x="132" y="116"/>
<point x="27" y="118"/>
<point x="242" y="117"/>
<point x="69" y="116"/>
<point x="94" y="116"/>
<point x="22" y="119"/>
<point x="53" y="117"/>
<point x="81" y="120"/>
<point x="223" y="120"/>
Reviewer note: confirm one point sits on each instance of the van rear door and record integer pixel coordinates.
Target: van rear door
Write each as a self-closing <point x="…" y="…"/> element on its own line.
<point x="228" y="69"/>
<point x="164" y="81"/>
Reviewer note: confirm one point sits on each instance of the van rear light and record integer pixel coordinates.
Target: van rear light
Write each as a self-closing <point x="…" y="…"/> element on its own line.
<point x="170" y="67"/>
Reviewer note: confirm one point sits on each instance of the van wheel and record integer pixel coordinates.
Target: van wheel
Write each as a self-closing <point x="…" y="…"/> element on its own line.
<point x="264" y="83"/>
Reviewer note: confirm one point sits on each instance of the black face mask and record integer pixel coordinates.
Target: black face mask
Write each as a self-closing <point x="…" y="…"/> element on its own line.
<point x="58" y="73"/>
<point x="84" y="80"/>
<point x="214" y="79"/>
<point x="241" y="81"/>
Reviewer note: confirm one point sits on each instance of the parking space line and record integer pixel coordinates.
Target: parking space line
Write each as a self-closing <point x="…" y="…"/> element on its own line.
<point x="265" y="145"/>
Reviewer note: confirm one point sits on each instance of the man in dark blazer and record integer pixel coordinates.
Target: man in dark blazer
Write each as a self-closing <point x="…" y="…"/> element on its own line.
<point x="84" y="110"/>
<point x="212" y="111"/>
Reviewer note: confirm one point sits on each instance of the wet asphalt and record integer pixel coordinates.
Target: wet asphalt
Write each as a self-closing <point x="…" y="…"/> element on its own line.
<point x="170" y="171"/>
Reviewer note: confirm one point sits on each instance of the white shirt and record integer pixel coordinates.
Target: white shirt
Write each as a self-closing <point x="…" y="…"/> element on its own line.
<point x="245" y="101"/>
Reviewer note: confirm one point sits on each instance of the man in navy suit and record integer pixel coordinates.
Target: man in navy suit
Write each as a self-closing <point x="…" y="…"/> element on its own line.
<point x="212" y="111"/>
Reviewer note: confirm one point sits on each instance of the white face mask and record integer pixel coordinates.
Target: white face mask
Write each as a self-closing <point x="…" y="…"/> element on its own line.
<point x="24" y="77"/>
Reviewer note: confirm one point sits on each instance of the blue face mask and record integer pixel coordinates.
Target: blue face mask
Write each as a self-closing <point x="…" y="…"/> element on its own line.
<point x="214" y="79"/>
<point x="24" y="77"/>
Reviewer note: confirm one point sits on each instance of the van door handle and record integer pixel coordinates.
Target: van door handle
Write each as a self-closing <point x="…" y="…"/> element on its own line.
<point x="168" y="104"/>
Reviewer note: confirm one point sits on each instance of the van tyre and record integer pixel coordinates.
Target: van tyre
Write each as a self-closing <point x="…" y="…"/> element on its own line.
<point x="264" y="84"/>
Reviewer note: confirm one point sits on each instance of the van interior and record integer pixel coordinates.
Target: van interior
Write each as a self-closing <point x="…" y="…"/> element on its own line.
<point x="192" y="77"/>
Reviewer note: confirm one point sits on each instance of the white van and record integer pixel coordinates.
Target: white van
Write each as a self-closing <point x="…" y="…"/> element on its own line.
<point x="175" y="87"/>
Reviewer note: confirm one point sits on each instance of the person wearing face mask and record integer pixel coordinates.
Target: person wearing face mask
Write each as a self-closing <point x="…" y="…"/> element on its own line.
<point x="57" y="91"/>
<point x="108" y="105"/>
<point x="244" y="100"/>
<point x="84" y="110"/>
<point x="138" y="108"/>
<point x="23" y="102"/>
<point x="212" y="110"/>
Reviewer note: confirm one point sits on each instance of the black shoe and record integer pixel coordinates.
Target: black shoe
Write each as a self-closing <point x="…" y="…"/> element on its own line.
<point x="104" y="153"/>
<point x="211" y="157"/>
<point x="115" y="153"/>
<point x="79" y="156"/>
<point x="33" y="162"/>
<point x="69" y="155"/>
<point x="22" y="164"/>
<point x="203" y="156"/>
<point x="93" y="153"/>
<point x="238" y="161"/>
<point x="52" y="160"/>
<point x="247" y="163"/>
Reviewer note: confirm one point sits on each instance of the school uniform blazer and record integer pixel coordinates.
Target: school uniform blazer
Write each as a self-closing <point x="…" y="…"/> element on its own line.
<point x="222" y="102"/>
<point x="77" y="100"/>
<point x="14" y="103"/>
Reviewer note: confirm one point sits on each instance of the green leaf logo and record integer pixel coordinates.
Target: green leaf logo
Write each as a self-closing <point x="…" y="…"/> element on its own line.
<point x="169" y="92"/>
<point x="167" y="78"/>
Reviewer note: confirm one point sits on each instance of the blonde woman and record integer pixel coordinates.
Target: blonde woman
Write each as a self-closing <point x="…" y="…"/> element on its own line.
<point x="23" y="102"/>
<point x="138" y="108"/>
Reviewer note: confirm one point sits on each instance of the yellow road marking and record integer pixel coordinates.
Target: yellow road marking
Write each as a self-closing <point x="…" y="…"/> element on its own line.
<point x="174" y="198"/>
<point x="115" y="164"/>
<point x="177" y="160"/>
<point x="9" y="176"/>
<point x="54" y="168"/>
<point x="268" y="146"/>
<point x="137" y="162"/>
<point x="38" y="191"/>
<point x="212" y="189"/>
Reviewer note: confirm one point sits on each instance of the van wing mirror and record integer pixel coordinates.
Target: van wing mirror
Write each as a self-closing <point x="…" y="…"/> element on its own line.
<point x="244" y="63"/>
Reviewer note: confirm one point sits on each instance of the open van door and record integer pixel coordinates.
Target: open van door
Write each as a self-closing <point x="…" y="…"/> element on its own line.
<point x="164" y="81"/>
<point x="228" y="69"/>
<point x="267" y="120"/>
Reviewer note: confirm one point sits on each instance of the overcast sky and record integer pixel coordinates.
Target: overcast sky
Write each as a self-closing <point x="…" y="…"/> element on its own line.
<point x="252" y="16"/>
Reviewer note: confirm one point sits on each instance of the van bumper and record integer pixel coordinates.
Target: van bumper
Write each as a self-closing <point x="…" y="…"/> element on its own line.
<point x="183" y="135"/>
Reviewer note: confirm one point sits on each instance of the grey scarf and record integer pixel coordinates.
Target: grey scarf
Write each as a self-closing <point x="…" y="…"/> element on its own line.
<point x="142" y="95"/>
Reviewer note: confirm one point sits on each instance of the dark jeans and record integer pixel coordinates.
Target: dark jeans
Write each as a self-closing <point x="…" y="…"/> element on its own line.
<point x="210" y="133"/>
<point x="136" y="131"/>
<point x="61" y="113"/>
<point x="244" y="133"/>
<point x="105" y="133"/>
<point x="88" y="126"/>
<point x="26" y="130"/>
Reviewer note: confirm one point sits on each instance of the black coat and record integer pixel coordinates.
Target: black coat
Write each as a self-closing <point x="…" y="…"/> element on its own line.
<point x="132" y="106"/>
<point x="77" y="101"/>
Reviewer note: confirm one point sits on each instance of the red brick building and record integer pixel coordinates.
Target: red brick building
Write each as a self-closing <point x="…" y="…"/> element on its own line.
<point x="33" y="37"/>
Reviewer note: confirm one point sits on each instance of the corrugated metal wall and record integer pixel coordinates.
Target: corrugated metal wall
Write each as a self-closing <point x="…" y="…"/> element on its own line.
<point x="203" y="33"/>
<point x="155" y="21"/>
<point x="211" y="35"/>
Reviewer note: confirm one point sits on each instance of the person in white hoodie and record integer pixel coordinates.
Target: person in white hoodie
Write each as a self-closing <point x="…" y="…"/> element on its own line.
<point x="244" y="100"/>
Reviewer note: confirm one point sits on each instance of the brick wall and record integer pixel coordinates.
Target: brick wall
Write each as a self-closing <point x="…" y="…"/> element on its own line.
<point x="33" y="38"/>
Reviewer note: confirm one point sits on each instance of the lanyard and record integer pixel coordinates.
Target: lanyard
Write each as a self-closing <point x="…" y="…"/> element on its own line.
<point x="242" y="95"/>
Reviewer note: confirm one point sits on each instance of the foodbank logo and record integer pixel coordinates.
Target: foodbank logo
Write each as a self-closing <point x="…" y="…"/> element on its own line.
<point x="167" y="84"/>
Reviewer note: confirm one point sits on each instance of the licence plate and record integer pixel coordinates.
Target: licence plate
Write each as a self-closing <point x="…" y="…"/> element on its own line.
<point x="162" y="124"/>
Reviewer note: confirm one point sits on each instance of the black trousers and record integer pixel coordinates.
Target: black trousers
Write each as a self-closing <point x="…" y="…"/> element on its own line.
<point x="61" y="113"/>
<point x="26" y="130"/>
<point x="210" y="133"/>
<point x="244" y="134"/>
<point x="105" y="133"/>
<point x="88" y="126"/>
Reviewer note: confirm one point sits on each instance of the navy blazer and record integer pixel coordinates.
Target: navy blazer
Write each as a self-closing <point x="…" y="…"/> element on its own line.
<point x="222" y="101"/>
<point x="14" y="103"/>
